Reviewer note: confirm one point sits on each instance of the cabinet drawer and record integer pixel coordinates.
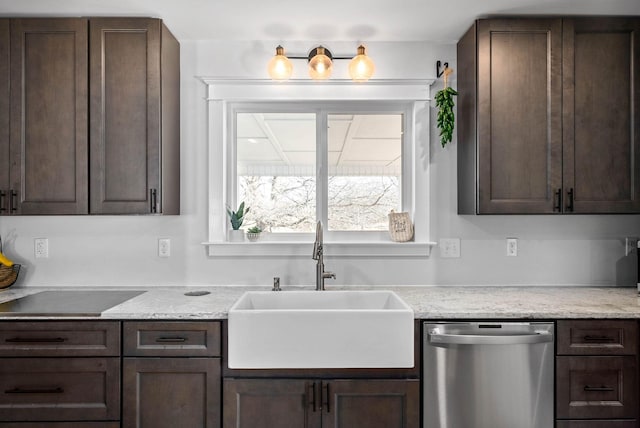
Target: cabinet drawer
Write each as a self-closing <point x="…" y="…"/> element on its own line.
<point x="603" y="337"/>
<point x="596" y="387"/>
<point x="597" y="424"/>
<point x="171" y="339"/>
<point x="59" y="389"/>
<point x="59" y="339"/>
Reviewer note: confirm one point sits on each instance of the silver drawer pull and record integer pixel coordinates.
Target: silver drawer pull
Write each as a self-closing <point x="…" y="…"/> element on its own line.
<point x="55" y="390"/>
<point x="171" y="339"/>
<point x="36" y="340"/>
<point x="588" y="388"/>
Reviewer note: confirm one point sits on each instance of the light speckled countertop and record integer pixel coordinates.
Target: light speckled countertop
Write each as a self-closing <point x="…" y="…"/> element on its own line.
<point x="428" y="302"/>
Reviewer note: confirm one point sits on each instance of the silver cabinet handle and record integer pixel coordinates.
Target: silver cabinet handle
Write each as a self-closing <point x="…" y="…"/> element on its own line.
<point x="476" y="339"/>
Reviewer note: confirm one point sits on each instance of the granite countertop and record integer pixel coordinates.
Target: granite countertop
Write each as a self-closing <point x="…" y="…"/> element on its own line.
<point x="427" y="302"/>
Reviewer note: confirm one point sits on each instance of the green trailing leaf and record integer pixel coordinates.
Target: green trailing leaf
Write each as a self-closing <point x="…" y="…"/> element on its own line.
<point x="446" y="118"/>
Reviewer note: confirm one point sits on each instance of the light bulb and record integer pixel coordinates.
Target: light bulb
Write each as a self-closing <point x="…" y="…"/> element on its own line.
<point x="279" y="67"/>
<point x="361" y="67"/>
<point x="320" y="66"/>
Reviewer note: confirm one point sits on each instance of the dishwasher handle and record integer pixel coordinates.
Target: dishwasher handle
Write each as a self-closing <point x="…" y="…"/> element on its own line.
<point x="478" y="339"/>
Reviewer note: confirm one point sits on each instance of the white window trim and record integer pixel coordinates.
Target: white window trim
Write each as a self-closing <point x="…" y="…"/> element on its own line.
<point x="221" y="92"/>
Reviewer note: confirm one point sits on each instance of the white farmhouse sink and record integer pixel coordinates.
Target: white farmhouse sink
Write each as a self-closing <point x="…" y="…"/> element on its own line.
<point x="320" y="329"/>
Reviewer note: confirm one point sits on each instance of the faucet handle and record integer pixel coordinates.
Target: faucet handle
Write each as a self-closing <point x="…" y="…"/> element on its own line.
<point x="328" y="275"/>
<point x="276" y="284"/>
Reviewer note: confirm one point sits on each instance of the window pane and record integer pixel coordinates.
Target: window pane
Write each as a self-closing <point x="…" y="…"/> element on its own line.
<point x="276" y="155"/>
<point x="365" y="170"/>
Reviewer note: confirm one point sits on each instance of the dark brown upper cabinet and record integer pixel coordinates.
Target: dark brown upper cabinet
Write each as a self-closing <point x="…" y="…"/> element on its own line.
<point x="548" y="116"/>
<point x="55" y="74"/>
<point x="601" y="115"/>
<point x="4" y="117"/>
<point x="48" y="117"/>
<point x="135" y="117"/>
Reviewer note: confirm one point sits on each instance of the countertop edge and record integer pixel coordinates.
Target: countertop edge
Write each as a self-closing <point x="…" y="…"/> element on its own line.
<point x="427" y="302"/>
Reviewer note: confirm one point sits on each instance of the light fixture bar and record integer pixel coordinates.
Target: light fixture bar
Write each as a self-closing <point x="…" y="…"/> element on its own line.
<point x="314" y="52"/>
<point x="320" y="62"/>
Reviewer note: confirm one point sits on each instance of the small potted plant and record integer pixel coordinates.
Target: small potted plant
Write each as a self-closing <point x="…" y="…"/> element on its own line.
<point x="253" y="233"/>
<point x="236" y="218"/>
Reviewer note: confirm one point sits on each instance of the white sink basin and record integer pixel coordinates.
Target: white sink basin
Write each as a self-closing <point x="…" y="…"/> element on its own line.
<point x="320" y="329"/>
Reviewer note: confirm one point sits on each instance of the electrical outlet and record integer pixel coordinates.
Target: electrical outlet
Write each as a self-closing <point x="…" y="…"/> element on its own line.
<point x="450" y="247"/>
<point x="41" y="248"/>
<point x="630" y="245"/>
<point x="164" y="247"/>
<point x="512" y="247"/>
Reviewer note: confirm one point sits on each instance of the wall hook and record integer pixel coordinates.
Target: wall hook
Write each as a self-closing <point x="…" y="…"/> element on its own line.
<point x="438" y="65"/>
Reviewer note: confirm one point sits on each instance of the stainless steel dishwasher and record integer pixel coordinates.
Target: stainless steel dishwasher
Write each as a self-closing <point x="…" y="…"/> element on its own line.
<point x="488" y="375"/>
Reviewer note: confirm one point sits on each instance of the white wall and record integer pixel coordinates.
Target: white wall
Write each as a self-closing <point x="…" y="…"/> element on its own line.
<point x="122" y="250"/>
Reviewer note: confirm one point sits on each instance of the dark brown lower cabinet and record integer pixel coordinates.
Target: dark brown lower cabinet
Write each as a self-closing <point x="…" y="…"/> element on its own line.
<point x="59" y="389"/>
<point x="596" y="387"/>
<point x="266" y="403"/>
<point x="295" y="403"/>
<point x="597" y="424"/>
<point x="597" y="374"/>
<point x="61" y="425"/>
<point x="372" y="404"/>
<point x="171" y="392"/>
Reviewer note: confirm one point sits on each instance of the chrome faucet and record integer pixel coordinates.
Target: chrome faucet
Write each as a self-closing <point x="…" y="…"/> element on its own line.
<point x="318" y="255"/>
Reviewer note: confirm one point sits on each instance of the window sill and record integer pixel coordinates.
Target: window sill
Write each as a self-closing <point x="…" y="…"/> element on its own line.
<point x="331" y="249"/>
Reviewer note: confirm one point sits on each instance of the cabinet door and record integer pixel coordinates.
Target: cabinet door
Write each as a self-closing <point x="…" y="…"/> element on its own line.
<point x="519" y="118"/>
<point x="4" y="116"/>
<point x="268" y="403"/>
<point x="171" y="392"/>
<point x="49" y="115"/>
<point x="601" y="103"/>
<point x="371" y="404"/>
<point x="125" y="115"/>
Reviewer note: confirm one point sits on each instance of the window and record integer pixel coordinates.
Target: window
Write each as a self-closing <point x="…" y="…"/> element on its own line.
<point x="297" y="164"/>
<point x="276" y="170"/>
<point x="365" y="170"/>
<point x="299" y="151"/>
<point x="281" y="173"/>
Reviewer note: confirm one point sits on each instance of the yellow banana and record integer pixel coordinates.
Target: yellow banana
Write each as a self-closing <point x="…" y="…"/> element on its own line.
<point x="5" y="261"/>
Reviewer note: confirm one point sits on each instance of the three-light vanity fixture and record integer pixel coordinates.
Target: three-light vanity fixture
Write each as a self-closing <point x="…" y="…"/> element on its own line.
<point x="361" y="67"/>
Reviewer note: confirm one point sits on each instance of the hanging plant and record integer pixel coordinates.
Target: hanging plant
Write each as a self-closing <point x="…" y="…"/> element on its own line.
<point x="445" y="104"/>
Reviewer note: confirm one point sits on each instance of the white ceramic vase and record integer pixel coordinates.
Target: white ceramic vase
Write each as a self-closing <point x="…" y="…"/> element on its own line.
<point x="236" y="236"/>
<point x="253" y="237"/>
